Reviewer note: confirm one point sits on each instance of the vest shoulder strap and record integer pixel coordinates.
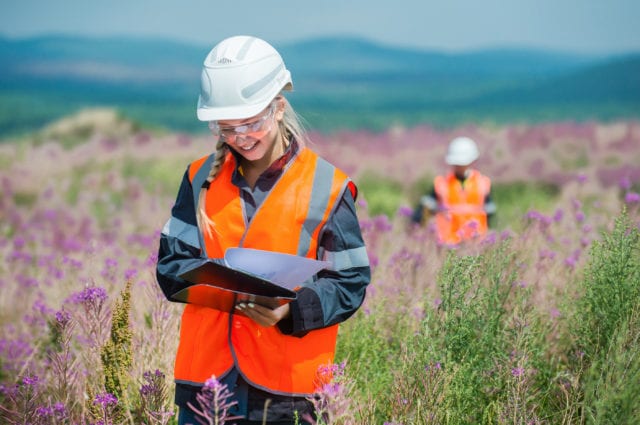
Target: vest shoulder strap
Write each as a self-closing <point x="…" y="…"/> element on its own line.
<point x="198" y="173"/>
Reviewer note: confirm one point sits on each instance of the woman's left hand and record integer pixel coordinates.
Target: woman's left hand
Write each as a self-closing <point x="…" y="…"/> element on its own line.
<point x="264" y="316"/>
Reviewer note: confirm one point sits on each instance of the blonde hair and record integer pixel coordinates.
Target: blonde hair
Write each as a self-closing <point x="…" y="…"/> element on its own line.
<point x="291" y="127"/>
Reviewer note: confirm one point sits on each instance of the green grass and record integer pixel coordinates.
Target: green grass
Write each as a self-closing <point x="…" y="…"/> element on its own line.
<point x="486" y="355"/>
<point x="383" y="195"/>
<point x="514" y="199"/>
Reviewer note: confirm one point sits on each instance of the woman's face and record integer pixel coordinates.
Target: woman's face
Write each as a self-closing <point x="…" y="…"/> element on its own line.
<point x="256" y="138"/>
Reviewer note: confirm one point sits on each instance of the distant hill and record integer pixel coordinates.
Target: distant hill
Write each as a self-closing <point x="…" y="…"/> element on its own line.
<point x="615" y="79"/>
<point x="339" y="82"/>
<point x="355" y="57"/>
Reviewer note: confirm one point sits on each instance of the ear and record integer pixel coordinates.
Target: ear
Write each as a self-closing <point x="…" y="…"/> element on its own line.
<point x="280" y="107"/>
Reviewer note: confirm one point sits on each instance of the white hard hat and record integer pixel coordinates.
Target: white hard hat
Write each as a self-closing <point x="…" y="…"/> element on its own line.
<point x="240" y="77"/>
<point x="462" y="151"/>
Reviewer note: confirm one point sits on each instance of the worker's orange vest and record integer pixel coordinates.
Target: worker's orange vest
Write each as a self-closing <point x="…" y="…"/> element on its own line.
<point x="461" y="213"/>
<point x="288" y="221"/>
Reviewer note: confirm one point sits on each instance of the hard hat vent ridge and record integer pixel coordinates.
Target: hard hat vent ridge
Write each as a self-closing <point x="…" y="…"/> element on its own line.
<point x="241" y="76"/>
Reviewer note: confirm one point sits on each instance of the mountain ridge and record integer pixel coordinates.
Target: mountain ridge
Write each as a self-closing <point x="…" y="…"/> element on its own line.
<point x="339" y="82"/>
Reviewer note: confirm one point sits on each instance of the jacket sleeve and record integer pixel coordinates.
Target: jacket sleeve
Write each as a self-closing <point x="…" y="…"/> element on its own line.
<point x="179" y="242"/>
<point x="338" y="293"/>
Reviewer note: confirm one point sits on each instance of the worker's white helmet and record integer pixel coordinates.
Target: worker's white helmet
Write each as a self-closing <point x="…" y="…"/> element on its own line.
<point x="462" y="151"/>
<point x="240" y="77"/>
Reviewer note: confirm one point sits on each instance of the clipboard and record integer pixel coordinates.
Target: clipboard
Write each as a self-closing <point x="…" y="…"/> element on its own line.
<point x="222" y="286"/>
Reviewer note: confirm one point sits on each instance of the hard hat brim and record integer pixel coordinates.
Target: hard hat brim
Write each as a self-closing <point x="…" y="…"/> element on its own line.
<point x="456" y="160"/>
<point x="229" y="113"/>
<point x="233" y="112"/>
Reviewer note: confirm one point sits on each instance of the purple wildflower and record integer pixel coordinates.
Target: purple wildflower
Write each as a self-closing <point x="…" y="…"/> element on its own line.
<point x="582" y="178"/>
<point x="490" y="239"/>
<point x="129" y="274"/>
<point x="18" y="242"/>
<point x="547" y="254"/>
<point x="625" y="183"/>
<point x="557" y="217"/>
<point x="381" y="223"/>
<point x="517" y="371"/>
<point x="62" y="317"/>
<point x="44" y="412"/>
<point x="632" y="198"/>
<point x="152" y="260"/>
<point x="505" y="234"/>
<point x="215" y="402"/>
<point x="433" y="366"/>
<point x="88" y="295"/>
<point x="110" y="262"/>
<point x="31" y="381"/>
<point x="105" y="400"/>
<point x="405" y="211"/>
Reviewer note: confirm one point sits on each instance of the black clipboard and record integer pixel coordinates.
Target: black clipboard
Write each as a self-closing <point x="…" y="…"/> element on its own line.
<point x="221" y="287"/>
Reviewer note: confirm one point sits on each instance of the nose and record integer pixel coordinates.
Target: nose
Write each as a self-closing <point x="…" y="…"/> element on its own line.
<point x="240" y="139"/>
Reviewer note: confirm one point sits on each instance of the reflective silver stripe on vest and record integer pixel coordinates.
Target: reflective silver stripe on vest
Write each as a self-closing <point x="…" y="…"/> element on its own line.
<point x="196" y="185"/>
<point x="200" y="178"/>
<point x="180" y="230"/>
<point x="428" y="202"/>
<point x="320" y="194"/>
<point x="347" y="259"/>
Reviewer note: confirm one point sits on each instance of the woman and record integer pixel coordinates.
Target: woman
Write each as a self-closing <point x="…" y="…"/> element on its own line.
<point x="262" y="188"/>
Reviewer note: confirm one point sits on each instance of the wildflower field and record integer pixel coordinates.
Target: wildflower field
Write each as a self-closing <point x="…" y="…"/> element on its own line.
<point x="537" y="323"/>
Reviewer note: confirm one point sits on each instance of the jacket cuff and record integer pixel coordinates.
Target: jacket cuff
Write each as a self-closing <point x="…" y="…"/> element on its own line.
<point x="306" y="314"/>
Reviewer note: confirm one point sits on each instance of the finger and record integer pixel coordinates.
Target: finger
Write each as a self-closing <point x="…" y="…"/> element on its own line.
<point x="262" y="315"/>
<point x="259" y="314"/>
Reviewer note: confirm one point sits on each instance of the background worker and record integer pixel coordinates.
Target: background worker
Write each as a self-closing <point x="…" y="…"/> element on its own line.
<point x="460" y="201"/>
<point x="261" y="188"/>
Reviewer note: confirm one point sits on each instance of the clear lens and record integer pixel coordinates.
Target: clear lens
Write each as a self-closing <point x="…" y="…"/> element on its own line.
<point x="230" y="132"/>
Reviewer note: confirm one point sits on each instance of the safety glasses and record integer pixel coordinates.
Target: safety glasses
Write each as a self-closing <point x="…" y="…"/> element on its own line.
<point x="229" y="133"/>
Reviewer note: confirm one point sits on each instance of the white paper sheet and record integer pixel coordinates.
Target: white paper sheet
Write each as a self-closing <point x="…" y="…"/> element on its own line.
<point x="287" y="270"/>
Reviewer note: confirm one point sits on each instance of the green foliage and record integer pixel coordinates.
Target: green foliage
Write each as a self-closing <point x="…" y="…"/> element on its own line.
<point x="475" y="334"/>
<point x="369" y="347"/>
<point x="383" y="195"/>
<point x="152" y="405"/>
<point x="157" y="176"/>
<point x="26" y="199"/>
<point x="480" y="357"/>
<point x="514" y="199"/>
<point x="116" y="354"/>
<point x="612" y="381"/>
<point x="605" y="327"/>
<point x="76" y="180"/>
<point x="611" y="288"/>
<point x="420" y="188"/>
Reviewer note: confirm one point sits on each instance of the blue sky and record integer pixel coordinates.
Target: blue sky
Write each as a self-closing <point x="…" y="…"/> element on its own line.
<point x="588" y="26"/>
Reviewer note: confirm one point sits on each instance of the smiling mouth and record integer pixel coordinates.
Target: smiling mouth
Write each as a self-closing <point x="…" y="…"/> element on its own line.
<point x="249" y="147"/>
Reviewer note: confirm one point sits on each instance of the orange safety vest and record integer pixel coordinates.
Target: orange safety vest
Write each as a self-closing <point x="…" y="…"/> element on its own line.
<point x="461" y="213"/>
<point x="289" y="221"/>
